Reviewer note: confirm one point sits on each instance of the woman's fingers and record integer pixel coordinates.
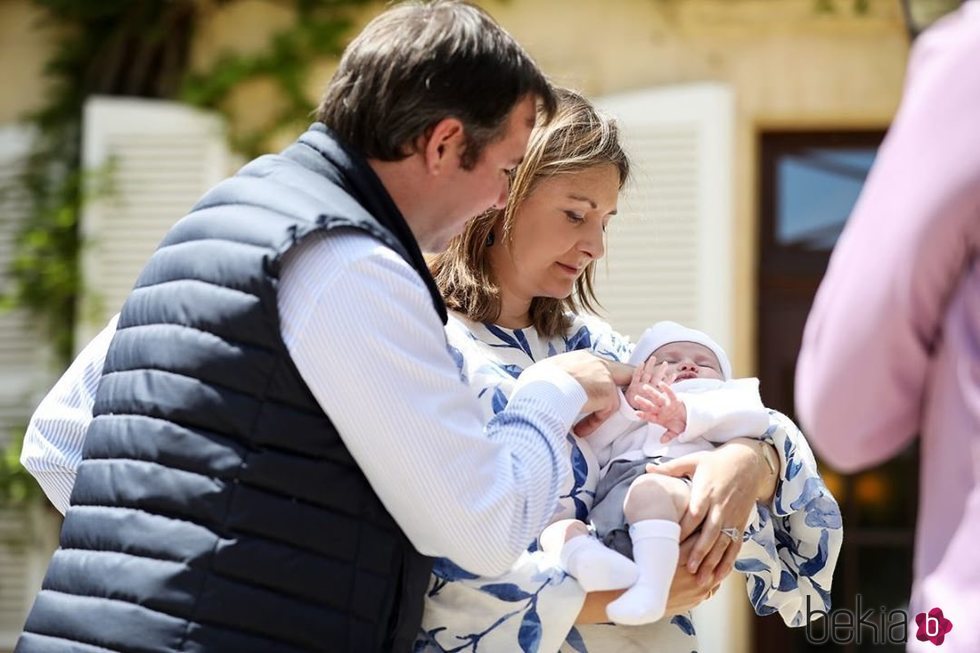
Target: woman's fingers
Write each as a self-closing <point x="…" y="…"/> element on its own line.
<point x="697" y="515"/>
<point x="710" y="563"/>
<point x="685" y="551"/>
<point x="727" y="562"/>
<point x="685" y="593"/>
<point x="702" y="547"/>
<point x="683" y="466"/>
<point x="690" y="523"/>
<point x="588" y="424"/>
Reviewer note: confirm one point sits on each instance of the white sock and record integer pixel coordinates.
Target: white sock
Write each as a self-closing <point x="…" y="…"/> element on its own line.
<point x="595" y="566"/>
<point x="655" y="550"/>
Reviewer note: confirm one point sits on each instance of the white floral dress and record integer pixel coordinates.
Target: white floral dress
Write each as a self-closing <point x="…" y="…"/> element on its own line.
<point x="789" y="552"/>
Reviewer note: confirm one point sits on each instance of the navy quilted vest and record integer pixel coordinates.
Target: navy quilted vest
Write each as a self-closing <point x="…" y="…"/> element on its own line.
<point x="216" y="508"/>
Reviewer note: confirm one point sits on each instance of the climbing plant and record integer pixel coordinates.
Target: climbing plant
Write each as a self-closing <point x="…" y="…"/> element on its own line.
<point x="136" y="49"/>
<point x="829" y="6"/>
<point x="139" y="49"/>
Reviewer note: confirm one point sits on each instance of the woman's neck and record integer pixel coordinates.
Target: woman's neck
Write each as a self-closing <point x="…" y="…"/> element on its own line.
<point x="515" y="313"/>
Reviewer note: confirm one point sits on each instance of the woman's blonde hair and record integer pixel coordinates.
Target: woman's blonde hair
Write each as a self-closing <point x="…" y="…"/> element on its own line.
<point x="577" y="138"/>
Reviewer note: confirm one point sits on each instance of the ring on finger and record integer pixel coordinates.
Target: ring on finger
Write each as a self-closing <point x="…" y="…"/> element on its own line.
<point x="733" y="533"/>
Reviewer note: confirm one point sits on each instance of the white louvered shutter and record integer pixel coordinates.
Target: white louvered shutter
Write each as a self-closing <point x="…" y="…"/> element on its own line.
<point x="669" y="250"/>
<point x="25" y="374"/>
<point x="24" y="355"/>
<point x="161" y="157"/>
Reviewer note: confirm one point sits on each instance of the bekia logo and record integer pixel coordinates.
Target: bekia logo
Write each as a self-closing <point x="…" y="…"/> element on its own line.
<point x="933" y="626"/>
<point x="881" y="626"/>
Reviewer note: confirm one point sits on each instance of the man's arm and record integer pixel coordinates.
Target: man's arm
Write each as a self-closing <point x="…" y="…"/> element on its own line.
<point x="877" y="316"/>
<point x="55" y="435"/>
<point x="361" y="329"/>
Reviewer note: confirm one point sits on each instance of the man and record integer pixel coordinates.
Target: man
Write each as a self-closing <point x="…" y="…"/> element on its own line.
<point x="280" y="433"/>
<point x="892" y="347"/>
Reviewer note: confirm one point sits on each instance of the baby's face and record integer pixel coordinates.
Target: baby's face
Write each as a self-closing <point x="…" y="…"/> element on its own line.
<point x="689" y="360"/>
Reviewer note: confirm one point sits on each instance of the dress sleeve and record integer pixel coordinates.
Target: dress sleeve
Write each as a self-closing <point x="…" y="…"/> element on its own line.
<point x="531" y="607"/>
<point x="534" y="604"/>
<point x="589" y="332"/>
<point x="792" y="545"/>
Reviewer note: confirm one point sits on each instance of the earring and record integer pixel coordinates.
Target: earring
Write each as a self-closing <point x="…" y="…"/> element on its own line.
<point x="490" y="239"/>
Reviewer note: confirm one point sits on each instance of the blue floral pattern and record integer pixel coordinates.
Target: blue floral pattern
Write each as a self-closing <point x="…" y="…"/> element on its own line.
<point x="789" y="553"/>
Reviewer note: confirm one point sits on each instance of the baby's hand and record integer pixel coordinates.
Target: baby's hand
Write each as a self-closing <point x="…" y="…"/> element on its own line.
<point x="649" y="373"/>
<point x="660" y="405"/>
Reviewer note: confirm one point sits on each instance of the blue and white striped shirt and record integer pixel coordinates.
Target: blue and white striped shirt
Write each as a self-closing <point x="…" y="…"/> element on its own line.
<point x="377" y="360"/>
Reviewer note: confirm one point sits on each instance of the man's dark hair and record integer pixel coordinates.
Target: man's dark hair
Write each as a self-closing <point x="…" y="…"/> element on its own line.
<point x="419" y="63"/>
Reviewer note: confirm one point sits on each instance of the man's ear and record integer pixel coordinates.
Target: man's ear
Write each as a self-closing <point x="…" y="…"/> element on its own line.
<point x="444" y="145"/>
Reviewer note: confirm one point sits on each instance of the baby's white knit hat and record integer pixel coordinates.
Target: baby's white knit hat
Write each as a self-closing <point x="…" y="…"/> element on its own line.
<point x="666" y="332"/>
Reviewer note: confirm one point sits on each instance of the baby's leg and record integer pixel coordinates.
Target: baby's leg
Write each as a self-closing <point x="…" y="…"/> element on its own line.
<point x="595" y="567"/>
<point x="653" y="508"/>
<point x="553" y="537"/>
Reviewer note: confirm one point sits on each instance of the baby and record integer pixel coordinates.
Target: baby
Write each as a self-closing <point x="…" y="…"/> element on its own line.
<point x="681" y="400"/>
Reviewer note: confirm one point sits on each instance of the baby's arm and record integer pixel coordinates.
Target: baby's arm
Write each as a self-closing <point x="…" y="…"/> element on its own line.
<point x="731" y="411"/>
<point x="622" y="421"/>
<point x="659" y="405"/>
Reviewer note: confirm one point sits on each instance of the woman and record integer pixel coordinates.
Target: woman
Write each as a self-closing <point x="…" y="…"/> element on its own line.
<point x="516" y="281"/>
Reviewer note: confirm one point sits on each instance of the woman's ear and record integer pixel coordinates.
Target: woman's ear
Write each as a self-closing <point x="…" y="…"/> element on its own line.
<point x="444" y="146"/>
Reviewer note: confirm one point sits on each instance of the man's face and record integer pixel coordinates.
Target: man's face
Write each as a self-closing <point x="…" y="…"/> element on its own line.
<point x="689" y="360"/>
<point x="469" y="193"/>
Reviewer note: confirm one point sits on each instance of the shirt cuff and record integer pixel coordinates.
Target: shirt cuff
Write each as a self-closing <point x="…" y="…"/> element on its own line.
<point x="698" y="420"/>
<point x="553" y="387"/>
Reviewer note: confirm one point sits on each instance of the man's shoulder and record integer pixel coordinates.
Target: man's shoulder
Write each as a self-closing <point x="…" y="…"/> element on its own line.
<point x="348" y="246"/>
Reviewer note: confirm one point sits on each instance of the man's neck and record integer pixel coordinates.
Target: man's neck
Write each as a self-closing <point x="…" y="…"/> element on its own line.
<point x="403" y="183"/>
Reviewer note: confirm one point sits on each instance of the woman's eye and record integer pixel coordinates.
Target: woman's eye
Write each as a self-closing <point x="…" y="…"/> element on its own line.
<point x="574" y="217"/>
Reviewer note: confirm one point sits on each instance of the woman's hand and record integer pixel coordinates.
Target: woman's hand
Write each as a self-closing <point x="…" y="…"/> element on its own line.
<point x="727" y="482"/>
<point x="688" y="589"/>
<point x="594" y="609"/>
<point x="685" y="593"/>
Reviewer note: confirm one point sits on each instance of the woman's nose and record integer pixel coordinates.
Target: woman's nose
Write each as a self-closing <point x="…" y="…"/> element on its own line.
<point x="594" y="244"/>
